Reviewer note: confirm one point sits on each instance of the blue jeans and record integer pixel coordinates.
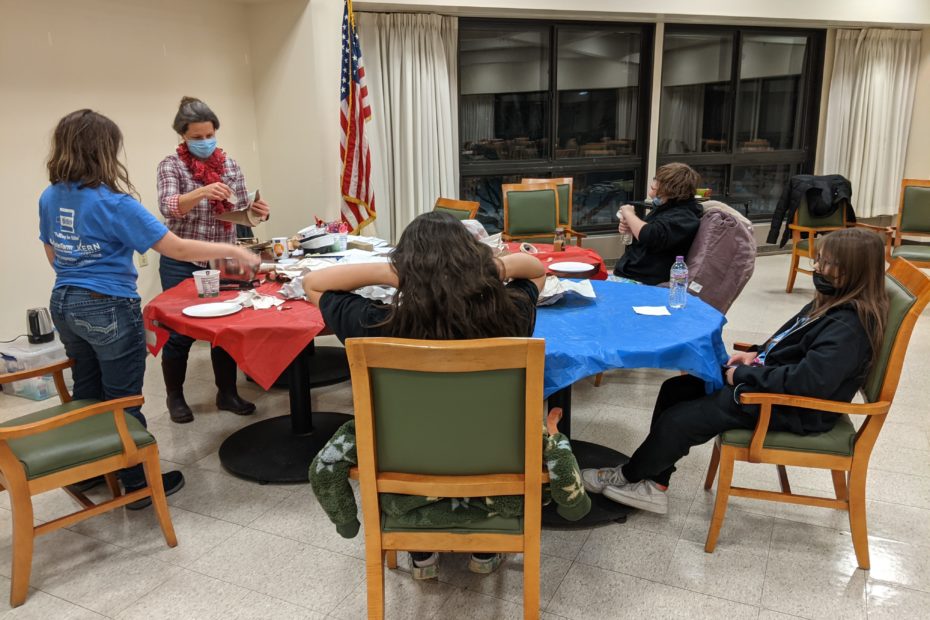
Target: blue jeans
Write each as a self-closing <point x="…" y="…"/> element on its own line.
<point x="105" y="338"/>
<point x="172" y="272"/>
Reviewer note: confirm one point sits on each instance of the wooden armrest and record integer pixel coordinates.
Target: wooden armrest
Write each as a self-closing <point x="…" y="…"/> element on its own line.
<point x="575" y="233"/>
<point x="815" y="404"/>
<point x="743" y="346"/>
<point x="814" y="231"/>
<point x="36" y="372"/>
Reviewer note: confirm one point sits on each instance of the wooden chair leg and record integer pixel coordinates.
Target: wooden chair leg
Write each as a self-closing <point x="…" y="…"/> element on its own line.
<point x="723" y="496"/>
<point x="23" y="542"/>
<point x="857" y="521"/>
<point x="390" y="558"/>
<point x="712" y="468"/>
<point x="598" y="378"/>
<point x="839" y="484"/>
<point x="374" y="580"/>
<point x="531" y="576"/>
<point x="792" y="271"/>
<point x="159" y="501"/>
<point x="783" y="479"/>
<point x="113" y="485"/>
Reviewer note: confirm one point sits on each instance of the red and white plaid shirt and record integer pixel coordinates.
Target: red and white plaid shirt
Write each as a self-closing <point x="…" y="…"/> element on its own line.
<point x="174" y="179"/>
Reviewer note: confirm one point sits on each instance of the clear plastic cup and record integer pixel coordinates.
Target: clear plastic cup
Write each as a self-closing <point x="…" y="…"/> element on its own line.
<point x="207" y="282"/>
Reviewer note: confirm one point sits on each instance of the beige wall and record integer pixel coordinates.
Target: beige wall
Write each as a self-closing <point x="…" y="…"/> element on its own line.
<point x="917" y="165"/>
<point x="131" y="60"/>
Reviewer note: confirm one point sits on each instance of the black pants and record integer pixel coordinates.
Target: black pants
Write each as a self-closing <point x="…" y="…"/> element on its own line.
<point x="684" y="416"/>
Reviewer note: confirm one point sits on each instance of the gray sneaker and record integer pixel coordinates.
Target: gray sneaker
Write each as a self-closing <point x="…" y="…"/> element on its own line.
<point x="596" y="480"/>
<point x="645" y="495"/>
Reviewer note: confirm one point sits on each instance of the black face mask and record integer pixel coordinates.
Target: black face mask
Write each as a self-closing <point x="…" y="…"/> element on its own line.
<point x="823" y="284"/>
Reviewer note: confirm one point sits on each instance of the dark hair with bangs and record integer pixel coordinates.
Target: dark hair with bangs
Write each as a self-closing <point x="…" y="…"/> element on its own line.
<point x="85" y="150"/>
<point x="449" y="287"/>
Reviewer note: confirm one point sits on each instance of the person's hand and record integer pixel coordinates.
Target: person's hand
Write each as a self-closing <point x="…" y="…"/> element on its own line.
<point x="260" y="207"/>
<point x="215" y="191"/>
<point x="729" y="375"/>
<point x="623" y="228"/>
<point x="247" y="257"/>
<point x="743" y="358"/>
<point x="627" y="211"/>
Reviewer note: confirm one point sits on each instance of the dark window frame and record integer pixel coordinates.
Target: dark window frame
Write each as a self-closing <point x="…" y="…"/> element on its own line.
<point x="549" y="166"/>
<point x="801" y="159"/>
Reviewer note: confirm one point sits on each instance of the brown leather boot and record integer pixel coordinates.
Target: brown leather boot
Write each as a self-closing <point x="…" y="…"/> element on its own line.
<point x="224" y="372"/>
<point x="174" y="371"/>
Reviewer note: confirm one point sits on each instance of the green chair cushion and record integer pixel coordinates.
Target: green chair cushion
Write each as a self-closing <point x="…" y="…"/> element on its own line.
<point x="840" y="440"/>
<point x="460" y="214"/>
<point x="915" y="216"/>
<point x="914" y="252"/>
<point x="492" y="525"/>
<point x="85" y="441"/>
<point x="805" y="218"/>
<point x="803" y="244"/>
<point x="531" y="212"/>
<point x="900" y="301"/>
<point x="565" y="191"/>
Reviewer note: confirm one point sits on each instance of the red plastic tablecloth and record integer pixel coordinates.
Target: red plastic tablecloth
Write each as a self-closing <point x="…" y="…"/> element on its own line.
<point x="571" y="253"/>
<point x="263" y="342"/>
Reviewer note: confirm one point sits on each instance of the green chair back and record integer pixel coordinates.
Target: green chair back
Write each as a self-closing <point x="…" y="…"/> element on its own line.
<point x="459" y="214"/>
<point x="456" y="423"/>
<point x="836" y="219"/>
<point x="915" y="212"/>
<point x="900" y="301"/>
<point x="532" y="212"/>
<point x="565" y="201"/>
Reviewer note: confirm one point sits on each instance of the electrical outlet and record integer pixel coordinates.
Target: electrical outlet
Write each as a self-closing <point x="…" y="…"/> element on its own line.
<point x="143" y="260"/>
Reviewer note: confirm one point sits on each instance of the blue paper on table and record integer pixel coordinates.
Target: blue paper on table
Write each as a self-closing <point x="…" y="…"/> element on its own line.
<point x="585" y="336"/>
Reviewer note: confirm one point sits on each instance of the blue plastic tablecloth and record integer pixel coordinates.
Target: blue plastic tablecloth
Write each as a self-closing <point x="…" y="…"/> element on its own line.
<point x="585" y="337"/>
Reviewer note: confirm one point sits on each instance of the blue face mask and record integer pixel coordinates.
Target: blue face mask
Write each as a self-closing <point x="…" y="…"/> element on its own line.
<point x="202" y="148"/>
<point x="658" y="202"/>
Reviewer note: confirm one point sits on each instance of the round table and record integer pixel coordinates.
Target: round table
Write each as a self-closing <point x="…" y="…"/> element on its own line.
<point x="585" y="337"/>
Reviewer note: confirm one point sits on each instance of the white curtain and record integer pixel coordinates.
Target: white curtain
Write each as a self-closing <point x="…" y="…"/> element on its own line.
<point x="477" y="118"/>
<point x="411" y="64"/>
<point x="869" y="114"/>
<point x="626" y="112"/>
<point x="682" y="116"/>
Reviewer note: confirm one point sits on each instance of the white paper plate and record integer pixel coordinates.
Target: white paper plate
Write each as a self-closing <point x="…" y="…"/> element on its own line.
<point x="571" y="267"/>
<point x="220" y="308"/>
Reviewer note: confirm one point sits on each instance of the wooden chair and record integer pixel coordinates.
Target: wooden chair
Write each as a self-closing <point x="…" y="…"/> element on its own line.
<point x="843" y="450"/>
<point x="565" y="186"/>
<point x="804" y="222"/>
<point x="913" y="220"/>
<point x="421" y="408"/>
<point x="66" y="444"/>
<point x="531" y="211"/>
<point x="461" y="209"/>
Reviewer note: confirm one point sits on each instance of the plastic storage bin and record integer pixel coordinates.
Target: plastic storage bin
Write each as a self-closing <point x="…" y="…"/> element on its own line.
<point x="21" y="355"/>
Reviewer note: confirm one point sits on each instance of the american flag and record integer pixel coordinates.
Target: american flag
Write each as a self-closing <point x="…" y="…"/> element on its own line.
<point x="358" y="199"/>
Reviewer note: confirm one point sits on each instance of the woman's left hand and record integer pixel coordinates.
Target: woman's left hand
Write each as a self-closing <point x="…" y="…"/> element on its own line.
<point x="260" y="207"/>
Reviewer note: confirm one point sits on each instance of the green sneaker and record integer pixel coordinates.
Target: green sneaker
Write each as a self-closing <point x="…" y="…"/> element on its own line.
<point x="427" y="568"/>
<point x="485" y="566"/>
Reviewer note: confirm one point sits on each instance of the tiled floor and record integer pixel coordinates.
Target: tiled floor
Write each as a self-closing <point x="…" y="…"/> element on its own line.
<point x="251" y="551"/>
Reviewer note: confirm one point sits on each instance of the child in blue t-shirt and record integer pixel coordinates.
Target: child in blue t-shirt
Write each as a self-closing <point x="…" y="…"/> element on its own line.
<point x="91" y="224"/>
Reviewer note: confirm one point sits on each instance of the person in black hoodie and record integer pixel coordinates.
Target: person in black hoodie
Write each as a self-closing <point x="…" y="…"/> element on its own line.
<point x="668" y="229"/>
<point x="825" y="351"/>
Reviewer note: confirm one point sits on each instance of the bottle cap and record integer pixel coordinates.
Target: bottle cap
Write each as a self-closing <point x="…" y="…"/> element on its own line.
<point x="679" y="259"/>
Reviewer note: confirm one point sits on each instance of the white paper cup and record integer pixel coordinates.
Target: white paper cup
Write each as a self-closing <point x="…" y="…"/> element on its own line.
<point x="207" y="282"/>
<point x="279" y="247"/>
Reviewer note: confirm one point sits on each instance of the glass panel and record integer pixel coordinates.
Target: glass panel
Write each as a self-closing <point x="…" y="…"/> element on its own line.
<point x="503" y="81"/>
<point x="715" y="178"/>
<point x="755" y="190"/>
<point x="598" y="84"/>
<point x="487" y="191"/>
<point x="768" y="111"/>
<point x="697" y="97"/>
<point x="596" y="196"/>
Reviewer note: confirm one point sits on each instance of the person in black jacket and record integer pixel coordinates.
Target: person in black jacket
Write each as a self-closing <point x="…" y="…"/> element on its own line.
<point x="825" y="351"/>
<point x="666" y="232"/>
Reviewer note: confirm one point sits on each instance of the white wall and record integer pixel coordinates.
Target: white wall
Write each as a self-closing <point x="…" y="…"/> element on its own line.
<point x="131" y="60"/>
<point x="917" y="165"/>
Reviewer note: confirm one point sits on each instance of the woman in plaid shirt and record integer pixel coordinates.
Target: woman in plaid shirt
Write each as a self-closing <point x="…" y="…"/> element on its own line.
<point x="196" y="184"/>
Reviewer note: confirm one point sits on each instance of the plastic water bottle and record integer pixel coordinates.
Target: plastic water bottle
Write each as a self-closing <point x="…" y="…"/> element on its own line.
<point x="625" y="238"/>
<point x="342" y="241"/>
<point x="678" y="284"/>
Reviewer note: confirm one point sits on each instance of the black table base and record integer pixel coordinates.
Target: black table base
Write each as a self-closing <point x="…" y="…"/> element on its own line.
<point x="280" y="449"/>
<point x="268" y="451"/>
<point x="589" y="455"/>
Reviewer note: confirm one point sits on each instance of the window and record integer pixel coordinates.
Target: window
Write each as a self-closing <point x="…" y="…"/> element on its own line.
<point x="546" y="99"/>
<point x="741" y="107"/>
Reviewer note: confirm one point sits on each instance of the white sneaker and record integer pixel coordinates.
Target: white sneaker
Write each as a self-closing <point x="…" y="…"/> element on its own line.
<point x="645" y="495"/>
<point x="596" y="480"/>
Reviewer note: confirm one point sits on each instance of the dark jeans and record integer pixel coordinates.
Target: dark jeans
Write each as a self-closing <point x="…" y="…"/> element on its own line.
<point x="105" y="338"/>
<point x="178" y="347"/>
<point x="684" y="416"/>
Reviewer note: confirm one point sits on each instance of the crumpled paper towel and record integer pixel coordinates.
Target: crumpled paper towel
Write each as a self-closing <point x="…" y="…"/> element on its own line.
<point x="257" y="301"/>
<point x="293" y="289"/>
<point x="555" y="289"/>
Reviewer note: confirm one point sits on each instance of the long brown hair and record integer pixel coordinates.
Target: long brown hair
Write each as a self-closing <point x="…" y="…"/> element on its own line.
<point x="448" y="285"/>
<point x="85" y="150"/>
<point x="858" y="259"/>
